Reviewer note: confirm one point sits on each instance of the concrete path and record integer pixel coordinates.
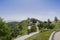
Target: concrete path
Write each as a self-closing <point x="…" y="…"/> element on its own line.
<point x="57" y="36"/>
<point x="26" y="36"/>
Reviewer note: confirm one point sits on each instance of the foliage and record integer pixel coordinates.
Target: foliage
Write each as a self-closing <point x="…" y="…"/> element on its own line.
<point x="51" y="26"/>
<point x="48" y="25"/>
<point x="12" y="24"/>
<point x="56" y="19"/>
<point x="15" y="31"/>
<point x="41" y="25"/>
<point x="23" y="25"/>
<point x="49" y="21"/>
<point x="33" y="28"/>
<point x="44" y="35"/>
<point x="18" y="28"/>
<point x="33" y="20"/>
<point x="4" y="30"/>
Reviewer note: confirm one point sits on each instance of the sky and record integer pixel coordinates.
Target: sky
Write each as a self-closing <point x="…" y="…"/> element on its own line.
<point x="17" y="10"/>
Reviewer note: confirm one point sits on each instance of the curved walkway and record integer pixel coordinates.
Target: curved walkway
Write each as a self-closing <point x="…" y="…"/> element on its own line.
<point x="26" y="36"/>
<point x="57" y="36"/>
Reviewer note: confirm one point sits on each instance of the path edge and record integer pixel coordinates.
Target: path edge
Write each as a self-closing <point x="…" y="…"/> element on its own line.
<point x="52" y="34"/>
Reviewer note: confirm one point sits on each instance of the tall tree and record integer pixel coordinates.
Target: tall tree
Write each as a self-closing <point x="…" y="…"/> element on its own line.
<point x="56" y="19"/>
<point x="49" y="21"/>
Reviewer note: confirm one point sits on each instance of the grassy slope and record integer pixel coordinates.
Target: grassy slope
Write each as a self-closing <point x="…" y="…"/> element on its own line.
<point x="41" y="36"/>
<point x="45" y="34"/>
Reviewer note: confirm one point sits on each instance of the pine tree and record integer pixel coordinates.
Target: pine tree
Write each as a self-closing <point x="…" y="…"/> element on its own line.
<point x="56" y="19"/>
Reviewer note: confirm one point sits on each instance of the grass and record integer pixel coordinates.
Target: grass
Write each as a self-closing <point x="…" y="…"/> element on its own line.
<point x="44" y="35"/>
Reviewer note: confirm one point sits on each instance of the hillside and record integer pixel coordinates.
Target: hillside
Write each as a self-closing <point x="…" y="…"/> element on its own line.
<point x="44" y="35"/>
<point x="23" y="25"/>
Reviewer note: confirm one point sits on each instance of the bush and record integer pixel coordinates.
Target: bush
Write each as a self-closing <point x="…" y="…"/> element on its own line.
<point x="41" y="25"/>
<point x="33" y="28"/>
<point x="49" y="25"/>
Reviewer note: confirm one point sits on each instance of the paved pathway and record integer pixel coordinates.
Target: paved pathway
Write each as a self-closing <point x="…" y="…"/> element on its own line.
<point x="26" y="36"/>
<point x="57" y="36"/>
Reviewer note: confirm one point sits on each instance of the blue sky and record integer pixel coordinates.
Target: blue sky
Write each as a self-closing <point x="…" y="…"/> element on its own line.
<point x="17" y="10"/>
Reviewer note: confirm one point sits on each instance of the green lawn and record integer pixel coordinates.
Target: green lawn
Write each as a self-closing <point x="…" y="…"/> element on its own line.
<point x="44" y="35"/>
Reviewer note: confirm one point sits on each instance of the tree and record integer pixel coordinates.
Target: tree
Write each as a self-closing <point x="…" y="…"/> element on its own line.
<point x="49" y="25"/>
<point x="56" y="19"/>
<point x="23" y="26"/>
<point x="33" y="28"/>
<point x="49" y="21"/>
<point x="15" y="31"/>
<point x="4" y="30"/>
<point x="41" y="25"/>
<point x="33" y="20"/>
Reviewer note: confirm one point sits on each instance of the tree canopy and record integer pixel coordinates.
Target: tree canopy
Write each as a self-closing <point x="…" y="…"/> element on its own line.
<point x="4" y="30"/>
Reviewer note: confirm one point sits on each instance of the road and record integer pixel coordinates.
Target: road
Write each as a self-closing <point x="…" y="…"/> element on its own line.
<point x="26" y="36"/>
<point x="57" y="36"/>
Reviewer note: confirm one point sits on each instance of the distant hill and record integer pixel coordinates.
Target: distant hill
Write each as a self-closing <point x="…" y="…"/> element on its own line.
<point x="12" y="24"/>
<point x="23" y="25"/>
